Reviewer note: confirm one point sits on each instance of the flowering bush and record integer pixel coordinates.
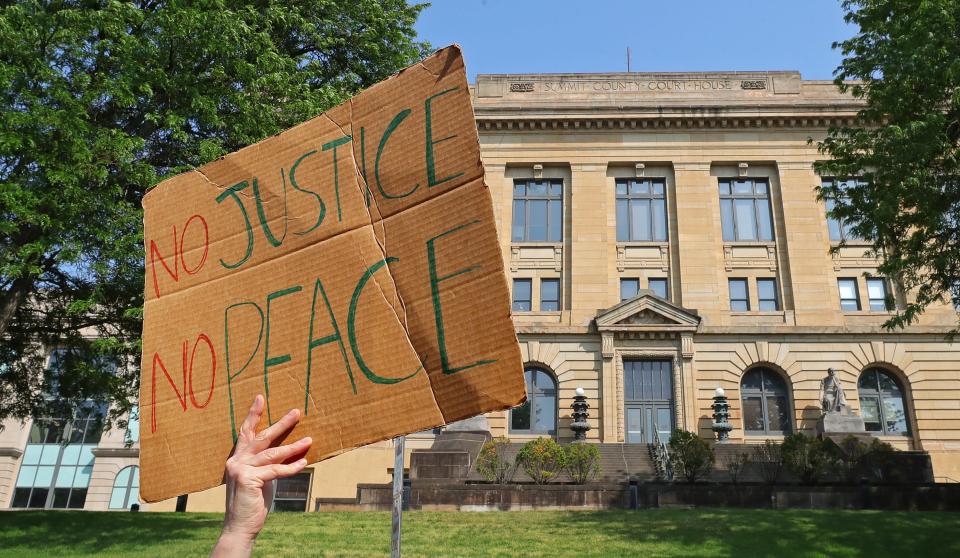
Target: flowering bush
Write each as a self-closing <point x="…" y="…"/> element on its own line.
<point x="582" y="462"/>
<point x="542" y="459"/>
<point x="493" y="464"/>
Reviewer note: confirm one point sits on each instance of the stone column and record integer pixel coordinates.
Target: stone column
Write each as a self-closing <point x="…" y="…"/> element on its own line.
<point x="586" y="238"/>
<point x="608" y="389"/>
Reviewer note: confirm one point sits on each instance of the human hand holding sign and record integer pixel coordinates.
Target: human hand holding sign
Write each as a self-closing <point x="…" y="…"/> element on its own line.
<point x="250" y="473"/>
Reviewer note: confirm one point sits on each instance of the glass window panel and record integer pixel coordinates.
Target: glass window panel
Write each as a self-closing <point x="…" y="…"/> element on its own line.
<point x="623" y="221"/>
<point x="658" y="188"/>
<point x="38" y="498"/>
<point x="870" y="412"/>
<point x="753" y="414"/>
<point x="887" y="383"/>
<point x="82" y="478"/>
<point x="877" y="292"/>
<point x="752" y="380"/>
<point x="61" y="497"/>
<point x="520" y="417"/>
<point x="778" y="418"/>
<point x="77" y="498"/>
<point x="123" y="477"/>
<point x="65" y="476"/>
<point x="519" y="218"/>
<point x="133" y="426"/>
<point x="637" y="188"/>
<point x="739" y="298"/>
<point x="86" y="454"/>
<point x="634" y="426"/>
<point x="743" y="187"/>
<point x="868" y="380"/>
<point x="537" y="225"/>
<point x="136" y="477"/>
<point x="117" y="498"/>
<point x="773" y="383"/>
<point x="31" y="455"/>
<point x="659" y="287"/>
<point x="555" y="234"/>
<point x="761" y="188"/>
<point x="849" y="299"/>
<point x="21" y="496"/>
<point x="27" y="475"/>
<point x="766" y="224"/>
<point x="894" y="415"/>
<point x="519" y="190"/>
<point x="71" y="454"/>
<point x="724" y="188"/>
<point x="44" y="476"/>
<point x="556" y="189"/>
<point x="629" y="288"/>
<point x="659" y="220"/>
<point x="833" y="226"/>
<point x="664" y="420"/>
<point x="550" y="295"/>
<point x="537" y="189"/>
<point x="50" y="454"/>
<point x="521" y="295"/>
<point x="745" y="219"/>
<point x="767" y="295"/>
<point x="726" y="219"/>
<point x="621" y="189"/>
<point x="639" y="219"/>
<point x="545" y="413"/>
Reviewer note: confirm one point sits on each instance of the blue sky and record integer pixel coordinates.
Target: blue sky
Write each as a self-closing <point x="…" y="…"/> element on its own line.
<point x="537" y="36"/>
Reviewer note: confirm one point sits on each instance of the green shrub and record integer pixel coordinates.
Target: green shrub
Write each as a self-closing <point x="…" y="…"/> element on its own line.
<point x="806" y="457"/>
<point x="769" y="456"/>
<point x="856" y="460"/>
<point x="692" y="457"/>
<point x="736" y="464"/>
<point x="542" y="459"/>
<point x="582" y="461"/>
<point x="493" y="464"/>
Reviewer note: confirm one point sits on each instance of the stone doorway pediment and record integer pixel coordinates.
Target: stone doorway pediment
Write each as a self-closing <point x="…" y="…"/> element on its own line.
<point x="647" y="312"/>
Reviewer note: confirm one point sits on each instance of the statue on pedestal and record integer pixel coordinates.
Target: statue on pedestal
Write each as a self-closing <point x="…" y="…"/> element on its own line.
<point x="832" y="398"/>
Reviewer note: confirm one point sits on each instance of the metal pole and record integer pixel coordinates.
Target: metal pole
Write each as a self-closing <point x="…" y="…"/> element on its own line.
<point x="397" y="495"/>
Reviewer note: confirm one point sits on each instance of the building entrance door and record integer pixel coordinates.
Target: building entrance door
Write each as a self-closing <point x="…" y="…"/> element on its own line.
<point x="648" y="400"/>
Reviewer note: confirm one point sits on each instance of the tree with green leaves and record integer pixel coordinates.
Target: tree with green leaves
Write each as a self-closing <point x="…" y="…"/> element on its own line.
<point x="903" y="152"/>
<point x="99" y="101"/>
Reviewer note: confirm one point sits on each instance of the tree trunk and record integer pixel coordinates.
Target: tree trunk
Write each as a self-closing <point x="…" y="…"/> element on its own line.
<point x="11" y="300"/>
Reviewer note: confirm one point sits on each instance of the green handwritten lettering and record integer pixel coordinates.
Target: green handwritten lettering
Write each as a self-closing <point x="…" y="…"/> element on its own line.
<point x="269" y="361"/>
<point x="336" y="180"/>
<point x="430" y="142"/>
<point x="231" y="192"/>
<point x="383" y="143"/>
<point x="226" y="347"/>
<point x="314" y="343"/>
<point x="296" y="186"/>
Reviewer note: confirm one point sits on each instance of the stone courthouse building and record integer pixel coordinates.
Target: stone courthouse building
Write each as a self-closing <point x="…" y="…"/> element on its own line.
<point x="662" y="238"/>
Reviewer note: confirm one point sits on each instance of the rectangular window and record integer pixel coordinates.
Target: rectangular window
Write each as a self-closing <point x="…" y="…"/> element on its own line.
<point x="739" y="295"/>
<point x="291" y="493"/>
<point x="839" y="230"/>
<point x="767" y="298"/>
<point x="537" y="211"/>
<point x="877" y="293"/>
<point x="522" y="295"/>
<point x="849" y="294"/>
<point x="549" y="295"/>
<point x="629" y="288"/>
<point x="745" y="209"/>
<point x="641" y="209"/>
<point x="660" y="287"/>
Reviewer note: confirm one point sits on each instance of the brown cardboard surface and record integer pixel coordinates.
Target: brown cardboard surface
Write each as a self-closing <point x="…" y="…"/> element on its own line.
<point x="348" y="267"/>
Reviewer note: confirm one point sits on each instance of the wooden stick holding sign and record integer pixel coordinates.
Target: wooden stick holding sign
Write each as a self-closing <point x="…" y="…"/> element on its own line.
<point x="355" y="255"/>
<point x="398" y="444"/>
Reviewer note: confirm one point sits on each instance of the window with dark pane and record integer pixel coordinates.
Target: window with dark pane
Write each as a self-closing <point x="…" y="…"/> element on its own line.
<point x="849" y="294"/>
<point x="838" y="229"/>
<point x="739" y="295"/>
<point x="882" y="403"/>
<point x="641" y="209"/>
<point x="539" y="414"/>
<point x="745" y="209"/>
<point x="766" y="402"/>
<point x="292" y="493"/>
<point x="522" y="295"/>
<point x="878" y="294"/>
<point x="549" y="295"/>
<point x="629" y="287"/>
<point x="660" y="287"/>
<point x="537" y="211"/>
<point x="767" y="298"/>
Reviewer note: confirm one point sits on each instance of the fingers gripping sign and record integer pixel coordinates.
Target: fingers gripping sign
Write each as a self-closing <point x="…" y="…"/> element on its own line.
<point x="256" y="462"/>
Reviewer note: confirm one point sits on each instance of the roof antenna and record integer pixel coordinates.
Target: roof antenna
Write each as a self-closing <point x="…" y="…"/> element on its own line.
<point x="628" y="60"/>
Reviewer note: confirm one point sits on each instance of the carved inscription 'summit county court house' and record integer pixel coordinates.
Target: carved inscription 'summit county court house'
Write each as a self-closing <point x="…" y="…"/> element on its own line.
<point x="662" y="238"/>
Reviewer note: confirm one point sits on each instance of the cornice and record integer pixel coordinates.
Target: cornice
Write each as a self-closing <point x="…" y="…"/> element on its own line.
<point x="520" y="123"/>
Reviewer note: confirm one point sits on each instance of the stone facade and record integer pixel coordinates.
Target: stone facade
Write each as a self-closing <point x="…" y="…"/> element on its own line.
<point x="688" y="132"/>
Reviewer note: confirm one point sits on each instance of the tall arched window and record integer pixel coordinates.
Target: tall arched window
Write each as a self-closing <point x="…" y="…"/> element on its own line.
<point x="882" y="404"/>
<point x="766" y="402"/>
<point x="539" y="414"/>
<point x="126" y="488"/>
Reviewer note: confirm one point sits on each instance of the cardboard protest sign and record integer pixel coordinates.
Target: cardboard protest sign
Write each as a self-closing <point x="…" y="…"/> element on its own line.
<point x="348" y="267"/>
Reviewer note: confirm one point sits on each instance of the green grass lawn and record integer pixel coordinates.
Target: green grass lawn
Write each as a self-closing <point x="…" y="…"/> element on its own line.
<point x="675" y="532"/>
